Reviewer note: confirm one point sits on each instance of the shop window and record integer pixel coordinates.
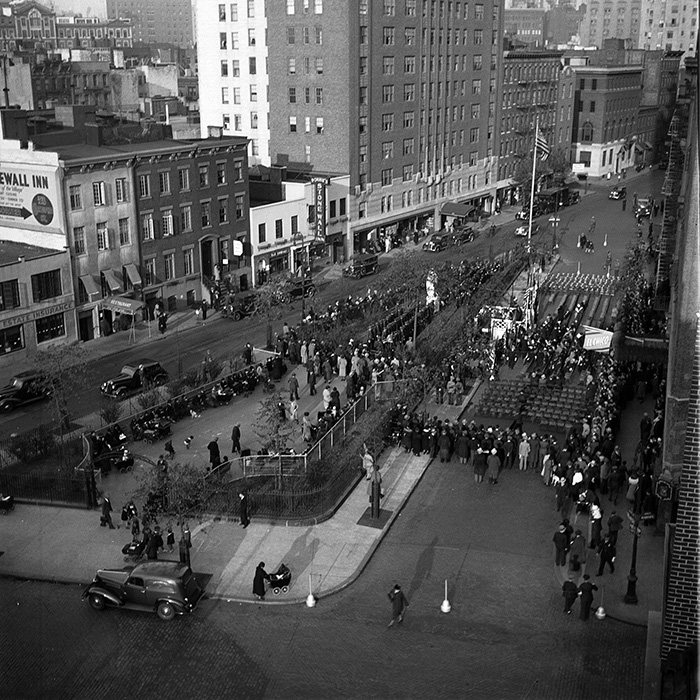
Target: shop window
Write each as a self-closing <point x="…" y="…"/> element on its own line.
<point x="46" y="285"/>
<point x="50" y="327"/>
<point x="11" y="339"/>
<point x="9" y="295"/>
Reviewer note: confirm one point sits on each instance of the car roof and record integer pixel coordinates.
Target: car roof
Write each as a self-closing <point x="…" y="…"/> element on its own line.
<point x="159" y="568"/>
<point x="143" y="361"/>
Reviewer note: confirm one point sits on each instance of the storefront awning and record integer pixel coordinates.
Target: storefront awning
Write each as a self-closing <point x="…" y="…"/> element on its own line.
<point x="112" y="281"/>
<point x="90" y="284"/>
<point x="133" y="273"/>
<point x="122" y="305"/>
<point x="457" y="209"/>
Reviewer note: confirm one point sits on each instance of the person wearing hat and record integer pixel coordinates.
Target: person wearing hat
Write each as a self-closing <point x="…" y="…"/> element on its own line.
<point x="493" y="466"/>
<point x="570" y="593"/>
<point x="561" y="545"/>
<point x="479" y="465"/>
<point x="214" y="453"/>
<point x="585" y="591"/>
<point x="399" y="603"/>
<point x="523" y="453"/>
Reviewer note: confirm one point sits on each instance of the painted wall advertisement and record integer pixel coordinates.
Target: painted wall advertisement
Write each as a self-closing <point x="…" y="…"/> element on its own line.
<point x="28" y="197"/>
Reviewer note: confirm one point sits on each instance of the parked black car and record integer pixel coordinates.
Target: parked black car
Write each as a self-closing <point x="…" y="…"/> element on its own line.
<point x="236" y="307"/>
<point x="437" y="242"/>
<point x="25" y="387"/>
<point x="462" y="235"/>
<point x="297" y="288"/>
<point x="136" y="376"/>
<point x="167" y="588"/>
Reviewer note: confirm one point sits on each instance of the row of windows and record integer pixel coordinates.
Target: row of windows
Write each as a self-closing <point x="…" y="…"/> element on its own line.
<point x="101" y="192"/>
<point x="169" y="268"/>
<point x="235" y="42"/>
<point x="423" y="194"/>
<point x="317" y="63"/>
<point x="409" y="118"/>
<point x="46" y="328"/>
<point x="306" y="6"/>
<point x="428" y="91"/>
<point x="227" y="94"/>
<point x="293" y="125"/>
<point x="429" y="36"/>
<point x="429" y="64"/>
<point x="306" y="35"/>
<point x="183" y="176"/>
<point x="233" y="11"/>
<point x="236" y="67"/>
<point x="279" y="229"/>
<point x="44" y="285"/>
<point x="105" y="237"/>
<point x="317" y="93"/>
<point x="460" y="9"/>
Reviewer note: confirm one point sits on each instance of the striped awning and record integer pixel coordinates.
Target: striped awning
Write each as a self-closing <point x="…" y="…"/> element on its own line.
<point x="90" y="284"/>
<point x="133" y="273"/>
<point x="112" y="280"/>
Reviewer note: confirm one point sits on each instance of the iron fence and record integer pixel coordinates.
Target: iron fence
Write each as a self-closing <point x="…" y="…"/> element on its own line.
<point x="45" y="488"/>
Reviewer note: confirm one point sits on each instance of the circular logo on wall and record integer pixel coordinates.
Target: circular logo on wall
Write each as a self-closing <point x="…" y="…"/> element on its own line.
<point x="42" y="209"/>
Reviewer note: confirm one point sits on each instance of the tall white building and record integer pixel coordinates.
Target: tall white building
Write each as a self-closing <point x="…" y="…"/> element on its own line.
<point x="669" y="25"/>
<point x="233" y="76"/>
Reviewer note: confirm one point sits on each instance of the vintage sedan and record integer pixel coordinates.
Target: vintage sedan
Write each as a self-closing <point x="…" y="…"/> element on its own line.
<point x="167" y="588"/>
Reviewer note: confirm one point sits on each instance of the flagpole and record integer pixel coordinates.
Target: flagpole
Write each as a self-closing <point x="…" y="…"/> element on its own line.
<point x="532" y="186"/>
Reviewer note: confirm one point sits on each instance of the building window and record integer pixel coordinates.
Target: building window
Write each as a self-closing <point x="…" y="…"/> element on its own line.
<point x="222" y="13"/>
<point x="121" y="189"/>
<point x="98" y="194"/>
<point x="290" y="35"/>
<point x="409" y="36"/>
<point x="319" y="35"/>
<point x="408" y="120"/>
<point x="222" y="40"/>
<point x="206" y="213"/>
<point x="362" y="156"/>
<point x="476" y="87"/>
<point x="253" y="93"/>
<point x="387" y="122"/>
<point x="587" y="132"/>
<point x="164" y="182"/>
<point x="362" y="124"/>
<point x="224" y="69"/>
<point x="478" y="36"/>
<point x="410" y="8"/>
<point x="476" y="111"/>
<point x="185" y="217"/>
<point x="362" y="210"/>
<point x="592" y="106"/>
<point x="387" y="93"/>
<point x="387" y="203"/>
<point x="292" y="66"/>
<point x="236" y="95"/>
<point x="188" y="261"/>
<point x="319" y="66"/>
<point x="124" y="232"/>
<point x="408" y="146"/>
<point x="292" y="95"/>
<point x="102" y="235"/>
<point x="239" y="207"/>
<point x="293" y="125"/>
<point x="409" y="65"/>
<point x="226" y="119"/>
<point x="251" y="8"/>
<point x="221" y="173"/>
<point x="234" y="40"/>
<point x="223" y="210"/>
<point x="149" y="272"/>
<point x="318" y="7"/>
<point x="169" y="262"/>
<point x="224" y="96"/>
<point x="478" y="11"/>
<point x="144" y="186"/>
<point x="387" y="150"/>
<point x="184" y="179"/>
<point x="279" y="231"/>
<point x="387" y="177"/>
<point x="251" y="37"/>
<point x="290" y="7"/>
<point x="305" y="35"/>
<point x="307" y="95"/>
<point x="147" y="228"/>
<point x="236" y="68"/>
<point x="477" y="62"/>
<point x="79" y="240"/>
<point x="409" y="92"/>
<point x="204" y="176"/>
<point x="388" y="36"/>
<point x="76" y="200"/>
<point x="50" y="327"/>
<point x="9" y="294"/>
<point x="46" y="285"/>
<point x="389" y="8"/>
<point x="407" y="172"/>
<point x="261" y="233"/>
<point x="319" y="125"/>
<point x="388" y="65"/>
<point x="166" y="223"/>
<point x="474" y="134"/>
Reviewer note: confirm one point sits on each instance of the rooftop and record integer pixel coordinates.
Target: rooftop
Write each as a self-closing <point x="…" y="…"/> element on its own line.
<point x="10" y="252"/>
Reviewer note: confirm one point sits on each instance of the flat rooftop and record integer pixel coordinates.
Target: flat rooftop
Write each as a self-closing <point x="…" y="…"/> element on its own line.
<point x="10" y="251"/>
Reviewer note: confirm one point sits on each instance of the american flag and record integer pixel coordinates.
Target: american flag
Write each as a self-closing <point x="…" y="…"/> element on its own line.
<point x="543" y="147"/>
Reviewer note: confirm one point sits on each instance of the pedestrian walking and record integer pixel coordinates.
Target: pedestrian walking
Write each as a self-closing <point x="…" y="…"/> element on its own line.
<point x="614" y="526"/>
<point x="106" y="517"/>
<point x="607" y="553"/>
<point x="574" y="567"/>
<point x="169" y="449"/>
<point x="293" y="388"/>
<point x="214" y="453"/>
<point x="188" y="441"/>
<point x="585" y="591"/>
<point x="399" y="603"/>
<point x="326" y="397"/>
<point x="561" y="545"/>
<point x="259" y="581"/>
<point x="570" y="593"/>
<point x="294" y="411"/>
<point x="367" y="462"/>
<point x="170" y="538"/>
<point x="155" y="543"/>
<point x="236" y="438"/>
<point x="306" y="427"/>
<point x="243" y="510"/>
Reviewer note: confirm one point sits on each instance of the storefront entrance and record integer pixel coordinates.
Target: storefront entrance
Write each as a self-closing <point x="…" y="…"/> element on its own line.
<point x="86" y="327"/>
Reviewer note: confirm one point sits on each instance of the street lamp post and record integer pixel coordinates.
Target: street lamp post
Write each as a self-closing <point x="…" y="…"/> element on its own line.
<point x="631" y="595"/>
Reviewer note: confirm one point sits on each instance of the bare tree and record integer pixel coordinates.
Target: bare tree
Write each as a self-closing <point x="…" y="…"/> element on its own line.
<point x="271" y="300"/>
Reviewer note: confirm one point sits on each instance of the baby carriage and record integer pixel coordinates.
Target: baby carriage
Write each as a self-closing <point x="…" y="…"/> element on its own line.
<point x="134" y="550"/>
<point x="279" y="581"/>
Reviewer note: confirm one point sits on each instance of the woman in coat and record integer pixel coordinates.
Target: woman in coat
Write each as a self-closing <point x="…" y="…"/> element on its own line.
<point x="479" y="465"/>
<point x="493" y="464"/>
<point x="462" y="447"/>
<point x="259" y="581"/>
<point x="444" y="446"/>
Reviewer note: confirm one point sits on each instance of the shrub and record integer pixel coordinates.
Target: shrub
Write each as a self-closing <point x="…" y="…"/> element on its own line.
<point x="33" y="445"/>
<point x="109" y="410"/>
<point x="149" y="399"/>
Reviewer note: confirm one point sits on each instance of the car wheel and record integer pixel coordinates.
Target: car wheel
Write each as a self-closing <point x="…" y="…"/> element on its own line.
<point x="311" y="292"/>
<point x="285" y="589"/>
<point x="121" y="393"/>
<point x="236" y="316"/>
<point x="276" y="591"/>
<point x="165" y="610"/>
<point x="97" y="602"/>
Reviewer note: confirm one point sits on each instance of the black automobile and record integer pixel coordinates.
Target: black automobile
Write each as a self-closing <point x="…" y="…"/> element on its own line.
<point x="236" y="307"/>
<point x="24" y="388"/>
<point x="136" y="376"/>
<point x="618" y="193"/>
<point x="462" y="235"/>
<point x="437" y="242"/>
<point x="643" y="207"/>
<point x="167" y="588"/>
<point x="297" y="288"/>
